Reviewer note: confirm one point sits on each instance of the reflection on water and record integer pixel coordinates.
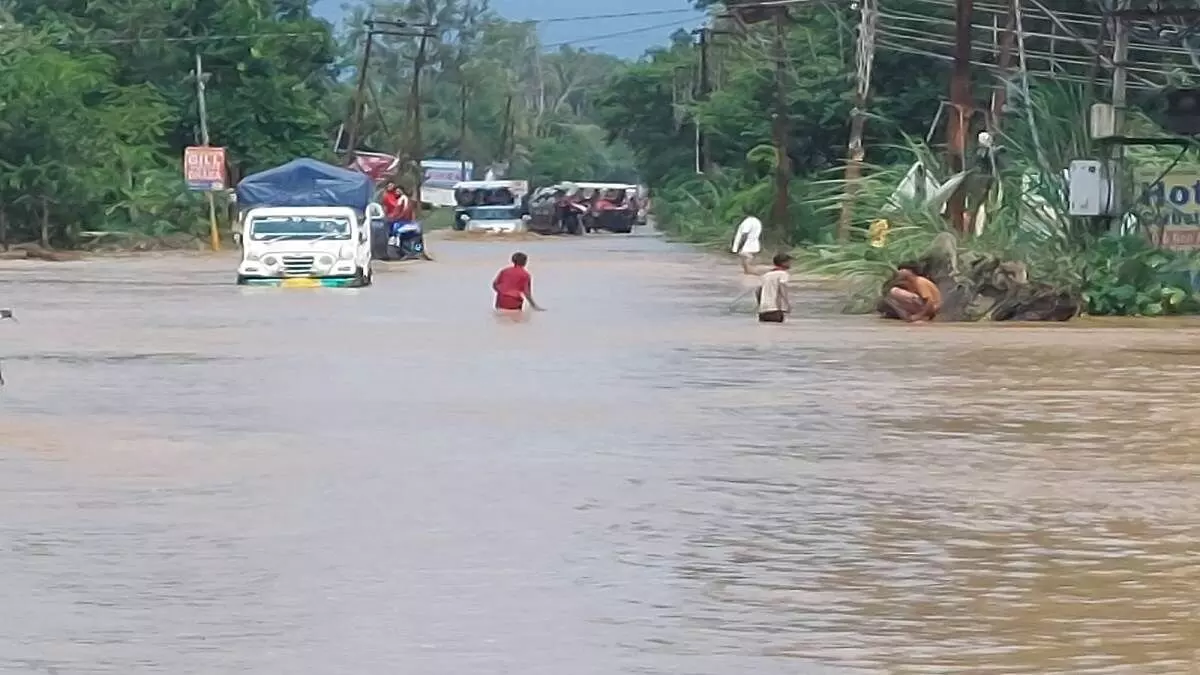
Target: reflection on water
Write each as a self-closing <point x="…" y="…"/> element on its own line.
<point x="198" y="478"/>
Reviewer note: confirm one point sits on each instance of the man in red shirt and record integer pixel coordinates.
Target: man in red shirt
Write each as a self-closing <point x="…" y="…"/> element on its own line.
<point x="397" y="207"/>
<point x="513" y="286"/>
<point x="391" y="201"/>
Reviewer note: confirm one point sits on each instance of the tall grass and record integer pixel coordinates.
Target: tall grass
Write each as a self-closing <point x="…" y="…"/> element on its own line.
<point x="1027" y="218"/>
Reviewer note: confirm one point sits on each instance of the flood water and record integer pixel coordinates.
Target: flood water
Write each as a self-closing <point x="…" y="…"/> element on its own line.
<point x="201" y="478"/>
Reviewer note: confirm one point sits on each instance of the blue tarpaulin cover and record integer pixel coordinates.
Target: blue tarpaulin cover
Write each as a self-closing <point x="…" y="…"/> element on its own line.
<point x="306" y="182"/>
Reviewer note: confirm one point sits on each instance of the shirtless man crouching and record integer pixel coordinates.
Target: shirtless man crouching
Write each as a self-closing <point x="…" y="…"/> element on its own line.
<point x="914" y="298"/>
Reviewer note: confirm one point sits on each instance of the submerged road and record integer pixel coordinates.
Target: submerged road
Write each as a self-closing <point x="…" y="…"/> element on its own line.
<point x="201" y="478"/>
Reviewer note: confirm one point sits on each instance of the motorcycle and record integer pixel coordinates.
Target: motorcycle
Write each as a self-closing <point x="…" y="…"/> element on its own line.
<point x="406" y="241"/>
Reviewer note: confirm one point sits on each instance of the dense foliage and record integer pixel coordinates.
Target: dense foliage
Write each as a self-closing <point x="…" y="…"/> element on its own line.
<point x="489" y="93"/>
<point x="98" y="100"/>
<point x="656" y="106"/>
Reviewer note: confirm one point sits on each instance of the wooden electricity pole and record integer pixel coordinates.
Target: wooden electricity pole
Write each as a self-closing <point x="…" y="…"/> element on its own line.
<point x="962" y="106"/>
<point x="855" y="153"/>
<point x="779" y="130"/>
<point x="214" y="234"/>
<point x="417" y="149"/>
<point x="703" y="155"/>
<point x="356" y="105"/>
<point x="1116" y="174"/>
<point x="1006" y="42"/>
<point x="354" y="125"/>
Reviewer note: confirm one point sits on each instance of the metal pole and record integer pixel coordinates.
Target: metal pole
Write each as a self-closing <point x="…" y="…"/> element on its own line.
<point x="214" y="234"/>
<point x="357" y="101"/>
<point x="961" y="101"/>
<point x="1005" y="49"/>
<point x="1024" y="65"/>
<point x="783" y="169"/>
<point x="703" y="154"/>
<point x="462" y="104"/>
<point x="1116" y="173"/>
<point x="865" y="58"/>
<point x="417" y="151"/>
<point x="462" y="129"/>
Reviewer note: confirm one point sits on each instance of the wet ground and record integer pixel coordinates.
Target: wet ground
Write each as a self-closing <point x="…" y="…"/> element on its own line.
<point x="201" y="478"/>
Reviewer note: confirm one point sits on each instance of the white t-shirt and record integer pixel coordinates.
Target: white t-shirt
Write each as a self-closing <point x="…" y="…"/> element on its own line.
<point x="751" y="229"/>
<point x="774" y="288"/>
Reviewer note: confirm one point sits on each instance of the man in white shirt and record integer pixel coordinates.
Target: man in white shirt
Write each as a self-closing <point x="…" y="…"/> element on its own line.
<point x="747" y="241"/>
<point x="773" y="301"/>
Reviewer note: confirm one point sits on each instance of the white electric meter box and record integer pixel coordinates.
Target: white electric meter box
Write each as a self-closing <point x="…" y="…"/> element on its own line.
<point x="1103" y="121"/>
<point x="1090" y="188"/>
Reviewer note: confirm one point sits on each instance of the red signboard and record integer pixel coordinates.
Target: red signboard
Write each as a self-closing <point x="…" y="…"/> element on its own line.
<point x="204" y="168"/>
<point x="375" y="164"/>
<point x="1175" y="237"/>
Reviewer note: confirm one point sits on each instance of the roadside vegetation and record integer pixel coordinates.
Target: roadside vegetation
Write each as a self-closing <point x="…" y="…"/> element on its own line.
<point x="1108" y="269"/>
<point x="98" y="101"/>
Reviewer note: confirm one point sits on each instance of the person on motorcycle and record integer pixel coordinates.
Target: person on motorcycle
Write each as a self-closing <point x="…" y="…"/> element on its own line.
<point x="396" y="205"/>
<point x="404" y="234"/>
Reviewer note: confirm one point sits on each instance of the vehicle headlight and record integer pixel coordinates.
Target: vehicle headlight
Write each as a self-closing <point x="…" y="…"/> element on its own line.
<point x="346" y="253"/>
<point x="252" y="256"/>
<point x="270" y="261"/>
<point x="325" y="260"/>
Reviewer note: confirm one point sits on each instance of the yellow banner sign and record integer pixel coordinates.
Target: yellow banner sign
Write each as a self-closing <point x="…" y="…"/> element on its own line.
<point x="1168" y="206"/>
<point x="1171" y="199"/>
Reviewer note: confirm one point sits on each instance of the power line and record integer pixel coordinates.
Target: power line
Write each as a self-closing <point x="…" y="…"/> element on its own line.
<point x="254" y="36"/>
<point x="609" y="36"/>
<point x="194" y="39"/>
<point x="623" y="15"/>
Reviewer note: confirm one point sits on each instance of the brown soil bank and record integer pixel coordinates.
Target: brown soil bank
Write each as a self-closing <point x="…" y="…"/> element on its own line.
<point x="102" y="243"/>
<point x="986" y="288"/>
<point x="35" y="252"/>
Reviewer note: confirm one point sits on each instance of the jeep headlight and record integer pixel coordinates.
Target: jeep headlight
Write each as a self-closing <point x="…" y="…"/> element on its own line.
<point x="346" y="253"/>
<point x="252" y="255"/>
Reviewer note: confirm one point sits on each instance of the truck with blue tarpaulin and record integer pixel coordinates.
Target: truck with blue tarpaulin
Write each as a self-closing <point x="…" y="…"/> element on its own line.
<point x="306" y="223"/>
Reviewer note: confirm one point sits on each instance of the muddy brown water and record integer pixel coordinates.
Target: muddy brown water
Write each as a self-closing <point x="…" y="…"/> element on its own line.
<point x="201" y="478"/>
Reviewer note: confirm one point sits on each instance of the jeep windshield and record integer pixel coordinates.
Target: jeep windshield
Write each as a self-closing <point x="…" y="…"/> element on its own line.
<point x="277" y="228"/>
<point x="495" y="213"/>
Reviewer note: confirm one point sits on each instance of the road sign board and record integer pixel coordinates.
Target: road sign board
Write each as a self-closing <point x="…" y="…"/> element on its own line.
<point x="204" y="168"/>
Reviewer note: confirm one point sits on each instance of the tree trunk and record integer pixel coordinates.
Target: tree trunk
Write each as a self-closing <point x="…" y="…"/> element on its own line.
<point x="45" y="239"/>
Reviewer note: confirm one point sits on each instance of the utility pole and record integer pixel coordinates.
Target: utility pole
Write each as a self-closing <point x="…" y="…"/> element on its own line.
<point x="1116" y="173"/>
<point x="462" y="95"/>
<point x="214" y="234"/>
<point x="779" y="129"/>
<point x="462" y="127"/>
<point x="703" y="154"/>
<point x="354" y="128"/>
<point x="963" y="107"/>
<point x="864" y="61"/>
<point x="357" y="103"/>
<point x="1007" y="40"/>
<point x="417" y="150"/>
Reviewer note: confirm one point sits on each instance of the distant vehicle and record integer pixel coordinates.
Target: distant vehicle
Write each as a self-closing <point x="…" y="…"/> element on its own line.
<point x="306" y="223"/>
<point x="612" y="206"/>
<point x="491" y="206"/>
<point x="557" y="209"/>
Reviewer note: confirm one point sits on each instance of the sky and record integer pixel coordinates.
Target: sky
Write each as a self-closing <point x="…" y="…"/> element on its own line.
<point x="591" y="34"/>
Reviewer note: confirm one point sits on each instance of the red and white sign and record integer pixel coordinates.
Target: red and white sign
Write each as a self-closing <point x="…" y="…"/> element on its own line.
<point x="204" y="168"/>
<point x="376" y="165"/>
